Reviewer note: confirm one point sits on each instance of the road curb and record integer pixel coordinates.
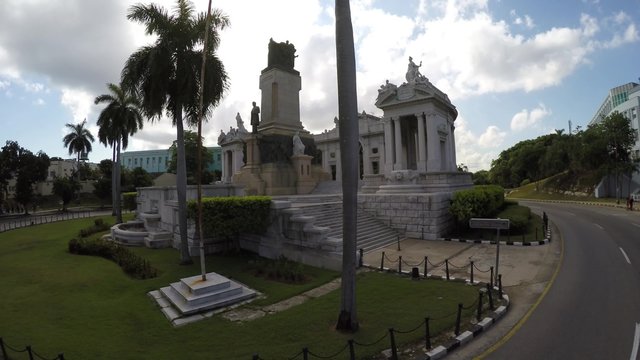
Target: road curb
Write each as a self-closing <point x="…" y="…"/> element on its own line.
<point x="455" y="342"/>
<point x="510" y="243"/>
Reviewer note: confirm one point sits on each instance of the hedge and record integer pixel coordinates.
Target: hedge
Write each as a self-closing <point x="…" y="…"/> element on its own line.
<point x="482" y="201"/>
<point x="226" y="217"/>
<point x="518" y="216"/>
<point x="132" y="264"/>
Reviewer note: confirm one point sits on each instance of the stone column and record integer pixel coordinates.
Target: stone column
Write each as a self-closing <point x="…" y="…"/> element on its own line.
<point x="399" y="163"/>
<point x="225" y="165"/>
<point x="433" y="144"/>
<point x="422" y="144"/>
<point x="453" y="147"/>
<point x="388" y="146"/>
<point x="366" y="162"/>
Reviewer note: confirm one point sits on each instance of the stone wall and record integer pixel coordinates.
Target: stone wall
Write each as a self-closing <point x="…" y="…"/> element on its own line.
<point x="419" y="216"/>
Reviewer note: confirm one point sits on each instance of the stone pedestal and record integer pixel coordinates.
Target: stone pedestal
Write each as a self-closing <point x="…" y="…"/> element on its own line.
<point x="280" y="106"/>
<point x="249" y="176"/>
<point x="302" y="166"/>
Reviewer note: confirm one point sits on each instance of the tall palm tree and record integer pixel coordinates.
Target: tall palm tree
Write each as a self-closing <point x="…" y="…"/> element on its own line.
<point x="78" y="140"/>
<point x="349" y="147"/>
<point x="121" y="118"/>
<point x="167" y="77"/>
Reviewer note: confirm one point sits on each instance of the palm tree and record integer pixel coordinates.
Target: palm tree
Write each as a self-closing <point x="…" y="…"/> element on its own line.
<point x="78" y="140"/>
<point x="349" y="147"/>
<point x="167" y="77"/>
<point x="121" y="118"/>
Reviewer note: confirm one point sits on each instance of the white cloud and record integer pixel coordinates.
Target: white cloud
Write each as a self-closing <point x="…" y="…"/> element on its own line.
<point x="4" y="84"/>
<point x="39" y="102"/>
<point x="492" y="137"/>
<point x="78" y="102"/>
<point x="529" y="118"/>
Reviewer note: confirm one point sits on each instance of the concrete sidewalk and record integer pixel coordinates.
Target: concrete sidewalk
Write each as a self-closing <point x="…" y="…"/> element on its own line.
<point x="526" y="271"/>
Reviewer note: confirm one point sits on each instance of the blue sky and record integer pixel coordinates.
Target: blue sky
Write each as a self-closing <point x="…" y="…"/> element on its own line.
<point x="514" y="69"/>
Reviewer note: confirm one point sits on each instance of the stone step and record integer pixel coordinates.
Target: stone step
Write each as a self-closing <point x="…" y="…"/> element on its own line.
<point x="192" y="295"/>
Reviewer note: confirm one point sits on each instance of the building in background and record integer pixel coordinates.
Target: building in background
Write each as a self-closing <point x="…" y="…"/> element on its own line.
<point x="624" y="99"/>
<point x="157" y="161"/>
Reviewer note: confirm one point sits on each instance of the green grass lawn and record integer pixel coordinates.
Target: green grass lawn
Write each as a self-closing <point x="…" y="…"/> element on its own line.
<point x="87" y="308"/>
<point x="534" y="191"/>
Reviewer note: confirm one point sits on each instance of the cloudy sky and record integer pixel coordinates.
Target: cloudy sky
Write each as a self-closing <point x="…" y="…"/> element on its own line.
<point x="515" y="69"/>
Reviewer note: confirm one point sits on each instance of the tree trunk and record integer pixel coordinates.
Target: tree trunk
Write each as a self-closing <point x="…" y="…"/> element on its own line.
<point x="114" y="187"/>
<point x="181" y="187"/>
<point x="348" y="127"/>
<point x="117" y="204"/>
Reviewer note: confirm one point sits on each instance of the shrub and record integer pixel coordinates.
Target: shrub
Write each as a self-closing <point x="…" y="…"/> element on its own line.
<point x="281" y="269"/>
<point x="226" y="217"/>
<point x="98" y="226"/>
<point x="132" y="264"/>
<point x="525" y="182"/>
<point x="481" y="201"/>
<point x="518" y="216"/>
<point x="129" y="200"/>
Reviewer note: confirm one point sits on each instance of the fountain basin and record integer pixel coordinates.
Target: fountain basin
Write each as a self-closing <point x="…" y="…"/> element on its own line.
<point x="131" y="233"/>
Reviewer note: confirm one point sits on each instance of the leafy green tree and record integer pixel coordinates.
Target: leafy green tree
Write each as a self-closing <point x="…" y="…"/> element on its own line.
<point x="191" y="157"/>
<point x="102" y="187"/>
<point x="480" y="177"/>
<point x="167" y="77"/>
<point x="66" y="188"/>
<point x="135" y="178"/>
<point x="79" y="139"/>
<point x="349" y="147"/>
<point x="28" y="169"/>
<point x="620" y="138"/>
<point x="121" y="118"/>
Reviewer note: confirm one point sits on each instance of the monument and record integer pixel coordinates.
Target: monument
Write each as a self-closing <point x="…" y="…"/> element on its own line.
<point x="278" y="156"/>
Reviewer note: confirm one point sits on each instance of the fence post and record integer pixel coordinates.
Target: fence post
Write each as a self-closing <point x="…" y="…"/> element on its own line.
<point x="446" y="267"/>
<point x="425" y="266"/>
<point x="382" y="262"/>
<point x="4" y="351"/>
<point x="500" y="285"/>
<point x="305" y="353"/>
<point x="400" y="264"/>
<point x="361" y="256"/>
<point x="352" y="351"/>
<point x="398" y="240"/>
<point x="29" y="352"/>
<point x="490" y="297"/>
<point x="61" y="356"/>
<point x="427" y="335"/>
<point x="255" y="357"/>
<point x="491" y="278"/>
<point x="394" y="350"/>
<point x="479" y="316"/>
<point x="471" y="264"/>
<point x="457" y="330"/>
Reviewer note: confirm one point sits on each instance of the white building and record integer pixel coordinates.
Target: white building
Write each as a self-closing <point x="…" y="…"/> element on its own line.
<point x="624" y="99"/>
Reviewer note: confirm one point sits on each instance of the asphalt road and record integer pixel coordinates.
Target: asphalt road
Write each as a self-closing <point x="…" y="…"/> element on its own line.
<point x="592" y="310"/>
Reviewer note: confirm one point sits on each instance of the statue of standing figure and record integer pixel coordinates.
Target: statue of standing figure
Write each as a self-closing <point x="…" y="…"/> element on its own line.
<point x="255" y="118"/>
<point x="240" y="124"/>
<point x="298" y="146"/>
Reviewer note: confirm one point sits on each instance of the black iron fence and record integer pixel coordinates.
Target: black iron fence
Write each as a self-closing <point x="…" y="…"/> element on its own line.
<point x="480" y="306"/>
<point x="38" y="219"/>
<point x="6" y="349"/>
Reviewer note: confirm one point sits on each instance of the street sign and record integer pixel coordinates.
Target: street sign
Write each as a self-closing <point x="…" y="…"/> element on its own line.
<point x="481" y="223"/>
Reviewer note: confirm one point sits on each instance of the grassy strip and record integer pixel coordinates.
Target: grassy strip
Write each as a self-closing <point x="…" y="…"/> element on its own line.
<point x="89" y="309"/>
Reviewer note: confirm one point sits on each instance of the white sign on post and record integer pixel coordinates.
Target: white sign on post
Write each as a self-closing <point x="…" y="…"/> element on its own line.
<point x="498" y="224"/>
<point x="482" y="223"/>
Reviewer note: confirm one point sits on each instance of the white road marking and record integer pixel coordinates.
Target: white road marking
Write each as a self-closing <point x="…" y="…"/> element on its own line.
<point x="636" y="340"/>
<point x="570" y="213"/>
<point x="598" y="225"/>
<point x="625" y="256"/>
<point x="638" y="225"/>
